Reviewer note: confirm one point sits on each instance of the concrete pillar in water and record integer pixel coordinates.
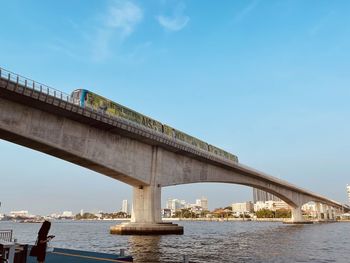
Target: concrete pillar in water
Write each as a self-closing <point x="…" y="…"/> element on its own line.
<point x="330" y="212"/>
<point x="297" y="215"/>
<point x="146" y="204"/>
<point x="146" y="211"/>
<point x="146" y="215"/>
<point x="326" y="212"/>
<point x="146" y="207"/>
<point x="318" y="211"/>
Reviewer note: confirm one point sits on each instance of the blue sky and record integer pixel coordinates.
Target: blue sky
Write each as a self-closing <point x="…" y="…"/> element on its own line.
<point x="266" y="80"/>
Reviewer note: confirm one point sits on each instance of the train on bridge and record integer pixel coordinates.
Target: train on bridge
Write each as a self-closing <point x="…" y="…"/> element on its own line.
<point x="85" y="98"/>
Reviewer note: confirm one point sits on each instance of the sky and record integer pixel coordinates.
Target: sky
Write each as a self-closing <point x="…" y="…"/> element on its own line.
<point x="265" y="80"/>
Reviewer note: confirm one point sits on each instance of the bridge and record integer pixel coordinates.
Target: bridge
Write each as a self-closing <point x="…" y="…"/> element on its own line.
<point x="42" y="118"/>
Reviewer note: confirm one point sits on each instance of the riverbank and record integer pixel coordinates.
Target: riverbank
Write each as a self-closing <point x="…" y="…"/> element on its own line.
<point x="227" y="219"/>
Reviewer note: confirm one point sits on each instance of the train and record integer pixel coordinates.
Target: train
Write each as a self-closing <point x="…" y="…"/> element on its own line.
<point x="87" y="99"/>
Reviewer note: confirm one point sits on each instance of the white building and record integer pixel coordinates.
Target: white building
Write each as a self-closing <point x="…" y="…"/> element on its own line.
<point x="176" y="205"/>
<point x="54" y="215"/>
<point x="67" y="214"/>
<point x="98" y="215"/>
<point x="203" y="202"/>
<point x="310" y="206"/>
<point x="348" y="190"/>
<point x="310" y="209"/>
<point x="270" y="205"/>
<point x="125" y="207"/>
<point x="23" y="213"/>
<point x="242" y="208"/>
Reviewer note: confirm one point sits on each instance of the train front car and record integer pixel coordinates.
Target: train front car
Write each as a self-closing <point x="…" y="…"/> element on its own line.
<point x="78" y="97"/>
<point x="100" y="104"/>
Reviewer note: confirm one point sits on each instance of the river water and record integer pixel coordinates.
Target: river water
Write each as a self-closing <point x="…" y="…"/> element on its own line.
<point x="205" y="241"/>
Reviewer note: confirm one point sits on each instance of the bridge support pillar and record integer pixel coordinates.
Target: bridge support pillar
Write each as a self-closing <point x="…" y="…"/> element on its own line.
<point x="146" y="215"/>
<point x="330" y="212"/>
<point x="318" y="211"/>
<point x="146" y="208"/>
<point x="297" y="217"/>
<point x="146" y="205"/>
<point x="326" y="212"/>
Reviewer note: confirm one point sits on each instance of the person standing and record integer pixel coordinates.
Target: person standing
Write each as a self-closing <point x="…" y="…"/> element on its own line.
<point x="43" y="238"/>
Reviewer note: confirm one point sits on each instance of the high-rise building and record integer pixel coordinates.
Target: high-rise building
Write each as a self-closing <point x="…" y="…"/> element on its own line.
<point x="262" y="196"/>
<point x="348" y="190"/>
<point x="125" y="207"/>
<point x="203" y="202"/>
<point x="175" y="205"/>
<point x="246" y="207"/>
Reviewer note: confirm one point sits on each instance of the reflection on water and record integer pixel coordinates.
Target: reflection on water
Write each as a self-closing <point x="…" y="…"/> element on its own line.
<point x="145" y="248"/>
<point x="206" y="241"/>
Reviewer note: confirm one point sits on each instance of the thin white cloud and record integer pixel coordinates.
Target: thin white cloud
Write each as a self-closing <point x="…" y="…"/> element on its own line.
<point x="123" y="16"/>
<point x="119" y="22"/>
<point x="175" y="22"/>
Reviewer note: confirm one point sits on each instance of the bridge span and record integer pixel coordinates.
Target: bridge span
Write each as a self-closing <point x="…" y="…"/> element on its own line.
<point x="42" y="118"/>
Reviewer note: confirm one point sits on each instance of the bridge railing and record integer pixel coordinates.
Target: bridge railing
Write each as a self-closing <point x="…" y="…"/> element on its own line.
<point x="31" y="84"/>
<point x="6" y="235"/>
<point x="42" y="88"/>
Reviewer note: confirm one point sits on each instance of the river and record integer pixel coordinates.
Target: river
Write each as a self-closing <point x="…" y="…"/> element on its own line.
<point x="205" y="241"/>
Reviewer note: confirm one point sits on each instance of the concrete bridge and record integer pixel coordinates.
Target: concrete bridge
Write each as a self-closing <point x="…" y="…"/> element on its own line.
<point x="42" y="118"/>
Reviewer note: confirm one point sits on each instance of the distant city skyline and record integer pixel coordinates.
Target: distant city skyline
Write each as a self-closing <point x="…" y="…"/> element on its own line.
<point x="272" y="91"/>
